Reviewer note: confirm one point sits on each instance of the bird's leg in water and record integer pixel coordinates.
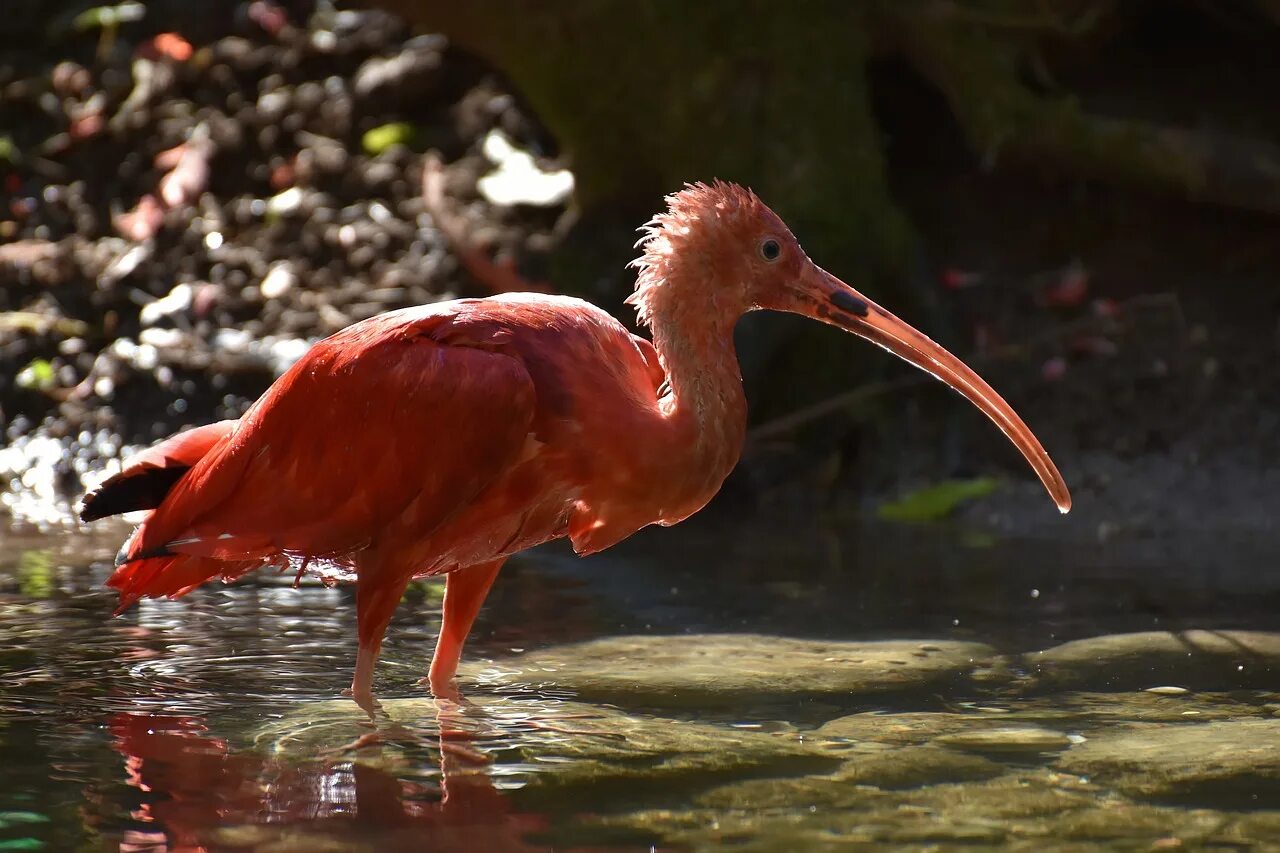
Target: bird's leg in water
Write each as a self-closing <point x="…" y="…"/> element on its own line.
<point x="379" y="586"/>
<point x="464" y="592"/>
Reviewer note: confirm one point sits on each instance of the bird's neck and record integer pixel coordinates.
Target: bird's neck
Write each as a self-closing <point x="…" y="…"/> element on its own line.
<point x="704" y="403"/>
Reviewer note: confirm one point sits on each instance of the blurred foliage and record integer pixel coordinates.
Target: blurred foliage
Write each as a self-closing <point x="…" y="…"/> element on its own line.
<point x="430" y="590"/>
<point x="936" y="502"/>
<point x="10" y="819"/>
<point x="108" y="17"/>
<point x="36" y="376"/>
<point x="35" y="573"/>
<point x="380" y="138"/>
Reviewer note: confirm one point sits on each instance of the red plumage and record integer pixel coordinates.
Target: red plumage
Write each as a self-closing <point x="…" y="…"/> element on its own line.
<point x="443" y="438"/>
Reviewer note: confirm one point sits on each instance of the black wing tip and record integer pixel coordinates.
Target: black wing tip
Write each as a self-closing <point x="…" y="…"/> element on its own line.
<point x="130" y="491"/>
<point x="91" y="508"/>
<point x="124" y="557"/>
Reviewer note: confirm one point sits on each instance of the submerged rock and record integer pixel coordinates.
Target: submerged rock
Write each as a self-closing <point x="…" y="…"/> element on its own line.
<point x="1235" y="760"/>
<point x="1212" y="660"/>
<point x="711" y="670"/>
<point x="1007" y="740"/>
<point x="904" y="729"/>
<point x="906" y="780"/>
<point x="910" y="767"/>
<point x="1082" y="708"/>
<point x="1030" y="810"/>
<point x="973" y="731"/>
<point x="557" y="745"/>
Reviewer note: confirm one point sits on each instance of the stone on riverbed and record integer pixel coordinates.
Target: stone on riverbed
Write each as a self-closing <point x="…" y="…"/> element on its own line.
<point x="1030" y="810"/>
<point x="1213" y="660"/>
<point x="907" y="767"/>
<point x="1007" y="740"/>
<point x="1087" y="709"/>
<point x="926" y="748"/>
<point x="1239" y="759"/>
<point x="717" y="670"/>
<point x="559" y="745"/>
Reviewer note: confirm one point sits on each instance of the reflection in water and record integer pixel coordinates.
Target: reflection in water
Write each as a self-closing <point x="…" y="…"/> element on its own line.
<point x="194" y="790"/>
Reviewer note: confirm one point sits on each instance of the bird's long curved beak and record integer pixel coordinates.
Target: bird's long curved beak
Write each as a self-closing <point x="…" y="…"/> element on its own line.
<point x="822" y="296"/>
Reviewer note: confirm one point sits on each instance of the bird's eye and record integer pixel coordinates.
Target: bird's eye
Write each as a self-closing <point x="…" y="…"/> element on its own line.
<point x="770" y="249"/>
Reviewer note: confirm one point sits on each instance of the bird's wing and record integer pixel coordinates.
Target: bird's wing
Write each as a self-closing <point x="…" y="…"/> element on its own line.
<point x="653" y="365"/>
<point x="379" y="416"/>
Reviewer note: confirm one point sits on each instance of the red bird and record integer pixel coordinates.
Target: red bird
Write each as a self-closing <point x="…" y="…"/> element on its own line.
<point x="442" y="439"/>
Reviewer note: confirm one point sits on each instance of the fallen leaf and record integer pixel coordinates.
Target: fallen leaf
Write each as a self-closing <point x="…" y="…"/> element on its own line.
<point x="9" y="151"/>
<point x="957" y="279"/>
<point x="167" y="45"/>
<point x="109" y="17"/>
<point x="269" y="16"/>
<point x="937" y="501"/>
<point x="1069" y="289"/>
<point x="142" y="222"/>
<point x="380" y="138"/>
<point x="86" y="126"/>
<point x="36" y="376"/>
<point x="1054" y="369"/>
<point x="24" y="253"/>
<point x="189" y="175"/>
<point x="1105" y="307"/>
<point x="41" y="324"/>
<point x="1094" y="345"/>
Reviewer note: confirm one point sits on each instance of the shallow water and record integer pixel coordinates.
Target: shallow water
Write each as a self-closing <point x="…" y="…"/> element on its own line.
<point x="913" y="705"/>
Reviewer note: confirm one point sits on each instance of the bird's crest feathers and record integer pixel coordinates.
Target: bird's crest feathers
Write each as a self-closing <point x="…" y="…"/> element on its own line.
<point x="687" y="230"/>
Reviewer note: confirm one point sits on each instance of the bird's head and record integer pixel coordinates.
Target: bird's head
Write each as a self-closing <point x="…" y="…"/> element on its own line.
<point x="718" y="252"/>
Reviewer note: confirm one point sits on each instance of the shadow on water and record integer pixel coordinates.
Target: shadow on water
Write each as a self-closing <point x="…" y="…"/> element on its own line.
<point x="774" y="688"/>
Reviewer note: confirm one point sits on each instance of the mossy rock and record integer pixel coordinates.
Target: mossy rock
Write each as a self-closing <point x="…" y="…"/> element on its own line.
<point x="1187" y="762"/>
<point x="568" y="751"/>
<point x="1213" y="660"/>
<point x="728" y="670"/>
<point x="1032" y="810"/>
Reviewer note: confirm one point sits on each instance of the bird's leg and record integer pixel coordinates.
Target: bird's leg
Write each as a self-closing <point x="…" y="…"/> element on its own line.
<point x="378" y="591"/>
<point x="464" y="592"/>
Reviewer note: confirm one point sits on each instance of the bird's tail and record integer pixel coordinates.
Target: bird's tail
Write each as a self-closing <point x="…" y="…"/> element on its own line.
<point x="143" y="484"/>
<point x="147" y="478"/>
<point x="170" y="576"/>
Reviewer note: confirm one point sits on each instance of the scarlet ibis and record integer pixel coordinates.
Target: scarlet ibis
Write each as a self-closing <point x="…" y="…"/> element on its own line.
<point x="443" y="438"/>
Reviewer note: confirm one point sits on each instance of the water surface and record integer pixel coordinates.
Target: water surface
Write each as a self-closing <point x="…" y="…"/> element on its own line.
<point x="218" y="722"/>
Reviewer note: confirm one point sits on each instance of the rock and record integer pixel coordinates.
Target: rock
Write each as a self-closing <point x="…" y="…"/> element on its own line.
<point x="911" y="767"/>
<point x="1080" y="709"/>
<point x="973" y="731"/>
<point x="932" y="747"/>
<point x="412" y="72"/>
<point x="1188" y="762"/>
<point x="1014" y="740"/>
<point x="565" y="749"/>
<point x="1137" y="826"/>
<point x="903" y="729"/>
<point x="728" y="669"/>
<point x="1034" y="810"/>
<point x="1212" y="660"/>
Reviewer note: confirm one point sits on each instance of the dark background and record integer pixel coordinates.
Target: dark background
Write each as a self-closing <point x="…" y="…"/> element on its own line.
<point x="1078" y="198"/>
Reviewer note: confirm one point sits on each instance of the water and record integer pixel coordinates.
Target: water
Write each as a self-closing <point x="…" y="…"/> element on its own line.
<point x="912" y="706"/>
